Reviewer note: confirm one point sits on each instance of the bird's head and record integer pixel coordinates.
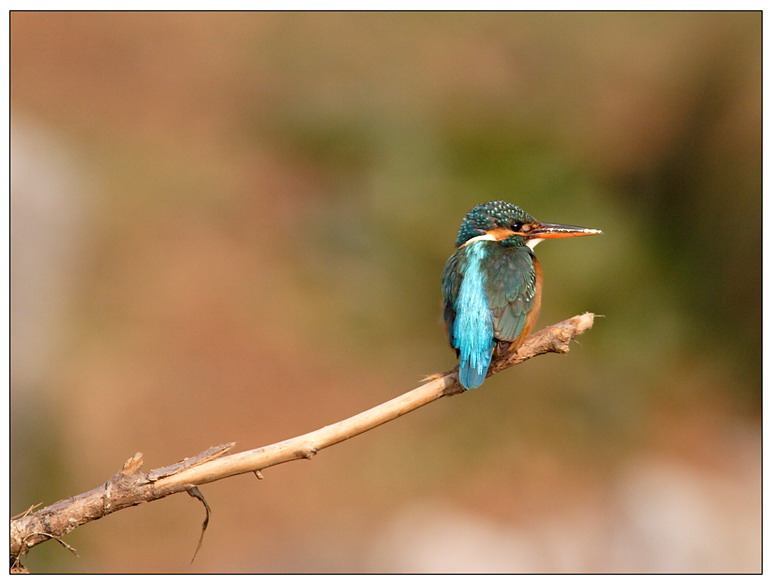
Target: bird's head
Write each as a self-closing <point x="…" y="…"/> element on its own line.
<point x="508" y="224"/>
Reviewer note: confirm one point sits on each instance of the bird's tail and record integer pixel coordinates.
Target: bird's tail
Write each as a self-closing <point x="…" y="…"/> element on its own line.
<point x="473" y="367"/>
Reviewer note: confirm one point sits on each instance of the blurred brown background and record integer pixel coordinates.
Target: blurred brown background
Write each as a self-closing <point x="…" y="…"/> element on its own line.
<point x="231" y="227"/>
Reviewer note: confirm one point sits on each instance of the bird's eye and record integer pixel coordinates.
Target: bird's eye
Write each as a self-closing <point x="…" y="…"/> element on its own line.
<point x="516" y="226"/>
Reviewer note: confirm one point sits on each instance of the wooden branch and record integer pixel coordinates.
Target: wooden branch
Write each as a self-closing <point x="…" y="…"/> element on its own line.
<point x="130" y="487"/>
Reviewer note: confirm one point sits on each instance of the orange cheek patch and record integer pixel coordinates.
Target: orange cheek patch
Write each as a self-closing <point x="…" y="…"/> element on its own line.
<point x="500" y="233"/>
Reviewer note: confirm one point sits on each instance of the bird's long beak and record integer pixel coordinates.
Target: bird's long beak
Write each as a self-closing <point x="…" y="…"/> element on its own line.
<point x="556" y="230"/>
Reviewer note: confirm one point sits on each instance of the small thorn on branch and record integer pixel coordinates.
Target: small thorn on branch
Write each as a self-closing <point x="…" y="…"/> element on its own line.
<point x="133" y="464"/>
<point x="307" y="451"/>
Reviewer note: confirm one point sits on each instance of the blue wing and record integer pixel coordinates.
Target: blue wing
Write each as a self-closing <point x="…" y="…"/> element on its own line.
<point x="512" y="290"/>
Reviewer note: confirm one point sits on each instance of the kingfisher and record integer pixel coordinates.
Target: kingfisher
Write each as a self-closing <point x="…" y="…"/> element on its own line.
<point x="491" y="285"/>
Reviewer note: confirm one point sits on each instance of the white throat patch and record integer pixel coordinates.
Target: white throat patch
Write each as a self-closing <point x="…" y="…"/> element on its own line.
<point x="482" y="238"/>
<point x="532" y="242"/>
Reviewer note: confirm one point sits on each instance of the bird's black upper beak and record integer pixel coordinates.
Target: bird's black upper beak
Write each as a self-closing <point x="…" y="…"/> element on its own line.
<point x="557" y="230"/>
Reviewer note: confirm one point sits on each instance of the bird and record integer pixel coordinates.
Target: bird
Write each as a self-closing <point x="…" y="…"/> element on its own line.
<point x="492" y="284"/>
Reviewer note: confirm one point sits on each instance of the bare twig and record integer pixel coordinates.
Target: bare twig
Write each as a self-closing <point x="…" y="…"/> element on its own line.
<point x="196" y="493"/>
<point x="130" y="487"/>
